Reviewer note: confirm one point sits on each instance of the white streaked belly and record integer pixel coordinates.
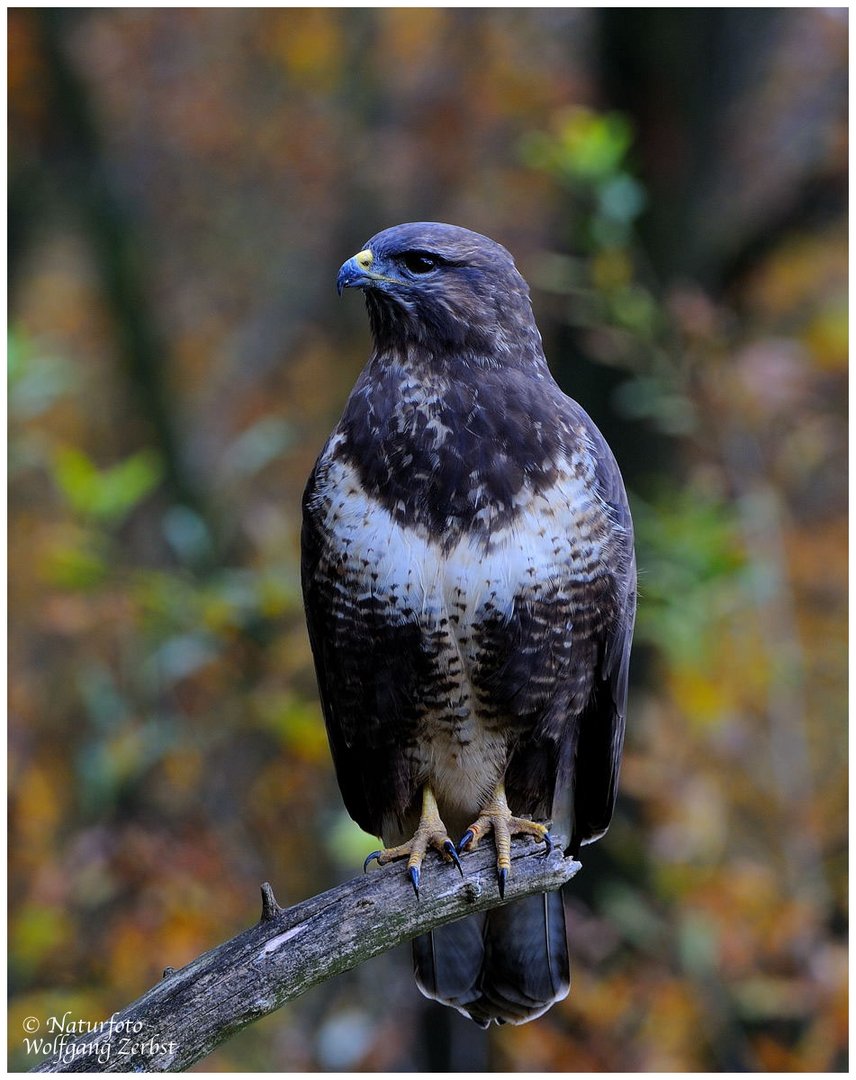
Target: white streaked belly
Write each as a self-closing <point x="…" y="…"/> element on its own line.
<point x="462" y="755"/>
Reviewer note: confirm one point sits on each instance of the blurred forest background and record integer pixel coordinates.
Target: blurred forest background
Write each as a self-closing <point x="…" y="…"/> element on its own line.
<point x="183" y="187"/>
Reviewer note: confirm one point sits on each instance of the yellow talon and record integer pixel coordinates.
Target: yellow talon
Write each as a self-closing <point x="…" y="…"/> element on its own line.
<point x="496" y="817"/>
<point x="430" y="833"/>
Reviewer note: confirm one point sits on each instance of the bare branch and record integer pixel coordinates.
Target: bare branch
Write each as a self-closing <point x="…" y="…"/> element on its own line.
<point x="197" y="1007"/>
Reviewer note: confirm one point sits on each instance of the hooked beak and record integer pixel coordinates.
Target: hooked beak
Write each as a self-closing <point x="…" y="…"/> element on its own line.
<point x="355" y="273"/>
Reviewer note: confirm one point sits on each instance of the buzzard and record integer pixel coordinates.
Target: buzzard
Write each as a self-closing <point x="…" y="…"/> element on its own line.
<point x="469" y="580"/>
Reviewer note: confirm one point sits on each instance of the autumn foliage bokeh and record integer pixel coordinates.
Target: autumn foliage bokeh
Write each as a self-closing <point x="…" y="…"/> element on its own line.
<point x="184" y="185"/>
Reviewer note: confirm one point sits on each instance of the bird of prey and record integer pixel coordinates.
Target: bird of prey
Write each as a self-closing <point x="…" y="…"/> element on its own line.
<point x="469" y="581"/>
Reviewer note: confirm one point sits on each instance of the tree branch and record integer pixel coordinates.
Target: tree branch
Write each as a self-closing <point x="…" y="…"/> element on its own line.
<point x="192" y="1010"/>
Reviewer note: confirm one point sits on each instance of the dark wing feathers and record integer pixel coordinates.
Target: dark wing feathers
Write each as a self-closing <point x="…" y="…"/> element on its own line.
<point x="368" y="670"/>
<point x="600" y="736"/>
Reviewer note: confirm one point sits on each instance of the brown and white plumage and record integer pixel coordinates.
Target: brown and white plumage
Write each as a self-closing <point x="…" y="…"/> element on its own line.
<point x="469" y="580"/>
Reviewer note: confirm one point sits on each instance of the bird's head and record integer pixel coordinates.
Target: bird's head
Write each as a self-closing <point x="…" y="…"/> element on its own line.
<point x="445" y="290"/>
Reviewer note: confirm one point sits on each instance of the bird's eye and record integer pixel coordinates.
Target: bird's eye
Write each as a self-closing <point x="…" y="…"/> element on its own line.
<point x="417" y="262"/>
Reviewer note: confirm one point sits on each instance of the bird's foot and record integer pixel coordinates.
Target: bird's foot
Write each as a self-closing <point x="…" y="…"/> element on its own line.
<point x="430" y="833"/>
<point x="497" y="818"/>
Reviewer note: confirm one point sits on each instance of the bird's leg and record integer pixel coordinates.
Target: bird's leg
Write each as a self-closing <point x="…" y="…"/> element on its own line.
<point x="431" y="832"/>
<point x="496" y="817"/>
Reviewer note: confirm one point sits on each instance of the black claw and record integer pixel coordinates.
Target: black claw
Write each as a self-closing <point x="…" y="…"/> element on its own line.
<point x="548" y="843"/>
<point x="374" y="855"/>
<point x="465" y="839"/>
<point x="503" y="877"/>
<point x="414" y="877"/>
<point x="449" y="848"/>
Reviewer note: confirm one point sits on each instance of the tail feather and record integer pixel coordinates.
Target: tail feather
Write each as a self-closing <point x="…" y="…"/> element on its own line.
<point x="508" y="965"/>
<point x="448" y="962"/>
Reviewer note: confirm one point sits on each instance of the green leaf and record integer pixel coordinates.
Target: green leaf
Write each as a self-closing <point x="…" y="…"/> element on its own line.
<point x="107" y="495"/>
<point x="77" y="562"/>
<point x="589" y="148"/>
